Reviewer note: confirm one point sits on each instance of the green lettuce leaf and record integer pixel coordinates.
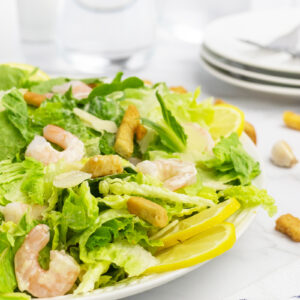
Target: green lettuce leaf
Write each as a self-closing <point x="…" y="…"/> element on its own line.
<point x="12" y="77"/>
<point x="16" y="110"/>
<point x="105" y="108"/>
<point x="116" y="85"/>
<point x="132" y="258"/>
<point x="91" y="276"/>
<point x="231" y="162"/>
<point x="12" y="142"/>
<point x="171" y="133"/>
<point x="121" y="187"/>
<point x="7" y="273"/>
<point x="22" y="181"/>
<point x="251" y="196"/>
<point x="14" y="296"/>
<point x="106" y="143"/>
<point x="80" y="208"/>
<point x="46" y="86"/>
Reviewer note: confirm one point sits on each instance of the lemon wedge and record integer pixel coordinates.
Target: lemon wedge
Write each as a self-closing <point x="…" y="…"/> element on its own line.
<point x="200" y="222"/>
<point x="39" y="75"/>
<point x="227" y="119"/>
<point x="201" y="247"/>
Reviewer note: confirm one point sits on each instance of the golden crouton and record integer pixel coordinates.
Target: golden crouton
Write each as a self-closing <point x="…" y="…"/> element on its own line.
<point x="102" y="165"/>
<point x="140" y="131"/>
<point x="124" y="139"/>
<point x="34" y="98"/>
<point x="250" y="131"/>
<point x="290" y="226"/>
<point x="148" y="211"/>
<point x="178" y="89"/>
<point x="291" y="120"/>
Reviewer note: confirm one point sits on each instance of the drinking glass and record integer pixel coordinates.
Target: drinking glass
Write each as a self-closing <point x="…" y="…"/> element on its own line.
<point x="102" y="36"/>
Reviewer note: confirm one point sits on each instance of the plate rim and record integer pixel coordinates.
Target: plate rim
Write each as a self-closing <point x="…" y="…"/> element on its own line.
<point x="240" y="60"/>
<point x="212" y="58"/>
<point x="260" y="87"/>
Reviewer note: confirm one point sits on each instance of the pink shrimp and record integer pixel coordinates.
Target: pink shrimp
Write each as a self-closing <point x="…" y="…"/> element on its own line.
<point x="63" y="269"/>
<point x="173" y="172"/>
<point x="42" y="150"/>
<point x="80" y="90"/>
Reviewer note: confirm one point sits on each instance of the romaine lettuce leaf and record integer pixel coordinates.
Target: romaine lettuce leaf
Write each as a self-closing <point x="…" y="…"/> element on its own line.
<point x="231" y="162"/>
<point x="22" y="181"/>
<point x="80" y="208"/>
<point x="12" y="77"/>
<point x="133" y="258"/>
<point x="251" y="196"/>
<point x="16" y="111"/>
<point x="11" y="141"/>
<point x="7" y="273"/>
<point x="46" y="86"/>
<point x="116" y="85"/>
<point x="14" y="296"/>
<point x="91" y="276"/>
<point x="121" y="187"/>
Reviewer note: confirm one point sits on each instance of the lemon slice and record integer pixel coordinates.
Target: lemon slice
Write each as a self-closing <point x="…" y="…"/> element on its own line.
<point x="200" y="222"/>
<point x="39" y="75"/>
<point x="201" y="247"/>
<point x="227" y="119"/>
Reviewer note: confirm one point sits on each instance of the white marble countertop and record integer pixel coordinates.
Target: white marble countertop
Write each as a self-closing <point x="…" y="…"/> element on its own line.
<point x="263" y="264"/>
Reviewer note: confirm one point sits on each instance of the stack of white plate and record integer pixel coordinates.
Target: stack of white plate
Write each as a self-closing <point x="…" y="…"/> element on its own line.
<point x="226" y="57"/>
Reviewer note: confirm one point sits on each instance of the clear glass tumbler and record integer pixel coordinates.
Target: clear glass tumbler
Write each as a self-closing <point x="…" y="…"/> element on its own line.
<point x="102" y="36"/>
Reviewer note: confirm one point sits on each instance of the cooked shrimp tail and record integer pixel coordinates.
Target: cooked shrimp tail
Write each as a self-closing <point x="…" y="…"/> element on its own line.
<point x="42" y="150"/>
<point x="63" y="269"/>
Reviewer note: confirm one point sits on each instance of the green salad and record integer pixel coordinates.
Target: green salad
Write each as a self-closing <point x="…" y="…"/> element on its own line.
<point x="94" y="172"/>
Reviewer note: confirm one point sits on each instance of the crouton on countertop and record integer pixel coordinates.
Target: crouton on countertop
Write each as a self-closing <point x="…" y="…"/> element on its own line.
<point x="124" y="140"/>
<point x="290" y="226"/>
<point x="102" y="165"/>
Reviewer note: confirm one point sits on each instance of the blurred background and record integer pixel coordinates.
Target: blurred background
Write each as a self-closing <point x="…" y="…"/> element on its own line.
<point x="103" y="36"/>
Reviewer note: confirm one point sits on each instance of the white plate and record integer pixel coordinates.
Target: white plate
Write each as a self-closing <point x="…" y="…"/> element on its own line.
<point x="241" y="220"/>
<point x="249" y="83"/>
<point x="240" y="69"/>
<point x="222" y="36"/>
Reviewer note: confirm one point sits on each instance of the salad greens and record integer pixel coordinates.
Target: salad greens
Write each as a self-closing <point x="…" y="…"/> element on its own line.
<point x="90" y="220"/>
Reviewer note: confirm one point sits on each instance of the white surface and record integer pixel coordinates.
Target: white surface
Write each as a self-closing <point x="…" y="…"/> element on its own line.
<point x="263" y="27"/>
<point x="240" y="70"/>
<point x="261" y="252"/>
<point x="244" y="83"/>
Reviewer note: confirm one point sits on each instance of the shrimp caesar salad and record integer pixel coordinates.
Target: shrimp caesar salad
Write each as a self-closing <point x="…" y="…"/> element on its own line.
<point x="103" y="180"/>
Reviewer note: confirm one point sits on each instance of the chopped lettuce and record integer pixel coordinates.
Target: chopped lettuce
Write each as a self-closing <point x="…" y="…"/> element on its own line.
<point x="116" y="85"/>
<point x="133" y="258"/>
<point x="171" y="133"/>
<point x="105" y="108"/>
<point x="14" y="296"/>
<point x="12" y="77"/>
<point x="16" y="110"/>
<point x="121" y="187"/>
<point x="7" y="274"/>
<point x="91" y="276"/>
<point x="231" y="163"/>
<point x="12" y="142"/>
<point x="22" y="181"/>
<point x="80" y="208"/>
<point x="46" y="86"/>
<point x="251" y="196"/>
